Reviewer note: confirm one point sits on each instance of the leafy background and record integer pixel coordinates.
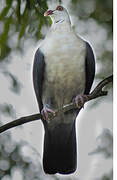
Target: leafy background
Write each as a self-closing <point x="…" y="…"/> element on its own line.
<point x="22" y="27"/>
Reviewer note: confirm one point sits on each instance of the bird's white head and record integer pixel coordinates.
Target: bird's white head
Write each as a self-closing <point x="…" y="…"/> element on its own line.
<point x="58" y="15"/>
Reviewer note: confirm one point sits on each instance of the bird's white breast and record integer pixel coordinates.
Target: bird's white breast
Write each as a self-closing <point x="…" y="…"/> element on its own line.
<point x="65" y="66"/>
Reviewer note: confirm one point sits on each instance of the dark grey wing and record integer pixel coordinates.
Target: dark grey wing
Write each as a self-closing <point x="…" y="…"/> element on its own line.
<point x="89" y="68"/>
<point x="38" y="76"/>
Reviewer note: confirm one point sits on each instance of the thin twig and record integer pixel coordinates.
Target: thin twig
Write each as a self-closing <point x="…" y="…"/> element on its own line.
<point x="97" y="92"/>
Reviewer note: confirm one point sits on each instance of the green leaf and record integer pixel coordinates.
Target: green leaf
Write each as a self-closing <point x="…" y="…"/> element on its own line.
<point x="24" y="24"/>
<point x="4" y="52"/>
<point x="18" y="9"/>
<point x="4" y="36"/>
<point x="4" y="12"/>
<point x="39" y="27"/>
<point x="9" y="2"/>
<point x="74" y="1"/>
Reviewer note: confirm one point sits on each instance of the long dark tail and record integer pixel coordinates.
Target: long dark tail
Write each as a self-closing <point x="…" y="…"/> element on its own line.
<point x="60" y="154"/>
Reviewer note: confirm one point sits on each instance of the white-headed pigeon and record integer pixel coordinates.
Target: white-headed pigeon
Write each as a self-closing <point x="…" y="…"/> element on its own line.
<point x="63" y="71"/>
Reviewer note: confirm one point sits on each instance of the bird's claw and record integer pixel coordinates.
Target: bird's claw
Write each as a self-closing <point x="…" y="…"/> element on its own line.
<point x="45" y="112"/>
<point x="81" y="99"/>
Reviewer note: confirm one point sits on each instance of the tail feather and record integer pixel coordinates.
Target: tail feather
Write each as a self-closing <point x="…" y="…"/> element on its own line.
<point x="60" y="149"/>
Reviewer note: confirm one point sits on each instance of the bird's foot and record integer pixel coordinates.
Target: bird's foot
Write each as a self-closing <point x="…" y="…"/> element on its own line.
<point x="45" y="112"/>
<point x="80" y="100"/>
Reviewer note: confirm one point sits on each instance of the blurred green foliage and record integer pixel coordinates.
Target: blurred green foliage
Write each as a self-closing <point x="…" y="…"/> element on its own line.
<point x="24" y="19"/>
<point x="101" y="10"/>
<point x="15" y="17"/>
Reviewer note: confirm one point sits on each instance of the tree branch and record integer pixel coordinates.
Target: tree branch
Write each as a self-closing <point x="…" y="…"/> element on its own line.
<point x="97" y="92"/>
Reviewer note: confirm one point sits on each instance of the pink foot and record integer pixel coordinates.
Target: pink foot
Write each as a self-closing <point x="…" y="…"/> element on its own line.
<point x="45" y="111"/>
<point x="80" y="99"/>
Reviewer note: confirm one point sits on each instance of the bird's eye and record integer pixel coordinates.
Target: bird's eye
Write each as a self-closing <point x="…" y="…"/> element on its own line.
<point x="59" y="8"/>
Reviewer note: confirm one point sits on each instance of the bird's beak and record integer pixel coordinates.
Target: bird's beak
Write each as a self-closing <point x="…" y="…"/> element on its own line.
<point x="48" y="13"/>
